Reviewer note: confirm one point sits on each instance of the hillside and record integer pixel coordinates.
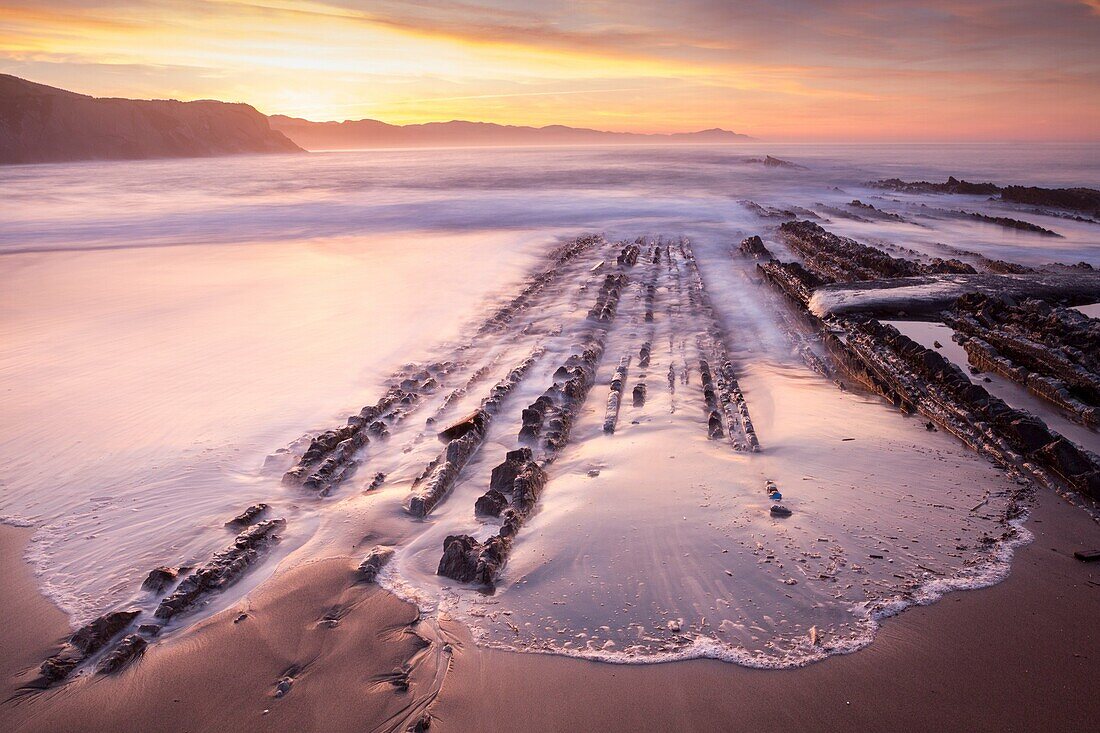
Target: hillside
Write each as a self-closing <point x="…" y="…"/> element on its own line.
<point x="374" y="134"/>
<point x="42" y="124"/>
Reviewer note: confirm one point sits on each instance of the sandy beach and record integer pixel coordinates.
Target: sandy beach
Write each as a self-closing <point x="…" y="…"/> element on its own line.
<point x="406" y="367"/>
<point x="609" y="477"/>
<point x="1017" y="656"/>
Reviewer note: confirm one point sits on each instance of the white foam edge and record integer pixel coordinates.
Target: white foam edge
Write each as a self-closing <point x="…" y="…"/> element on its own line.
<point x="868" y="617"/>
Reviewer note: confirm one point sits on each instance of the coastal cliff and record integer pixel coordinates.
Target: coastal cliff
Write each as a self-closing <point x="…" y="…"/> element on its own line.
<point x="42" y="124"/>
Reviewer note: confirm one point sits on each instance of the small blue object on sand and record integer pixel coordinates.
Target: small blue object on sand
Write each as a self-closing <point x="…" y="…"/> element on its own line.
<point x="776" y="496"/>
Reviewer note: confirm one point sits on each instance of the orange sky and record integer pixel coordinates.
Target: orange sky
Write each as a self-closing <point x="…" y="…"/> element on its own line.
<point x="775" y="69"/>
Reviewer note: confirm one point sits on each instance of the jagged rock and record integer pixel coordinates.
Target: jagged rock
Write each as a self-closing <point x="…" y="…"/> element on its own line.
<point x="953" y="185"/>
<point x="770" y="162"/>
<point x="465" y="437"/>
<point x="629" y="255"/>
<point x="912" y="377"/>
<point x="795" y="281"/>
<point x="511" y="524"/>
<point x="1009" y="223"/>
<point x="491" y="503"/>
<point x="373" y="562"/>
<point x="150" y="629"/>
<point x="476" y="420"/>
<point x="714" y="425"/>
<point x="875" y="212"/>
<point x="505" y="474"/>
<point x="446" y="472"/>
<point x="1053" y="352"/>
<point x="159" y="579"/>
<point x="86" y="641"/>
<point x="320" y="446"/>
<point x="459" y="561"/>
<point x="608" y="298"/>
<point x="248" y="516"/>
<point x="131" y="647"/>
<point x="559" y="257"/>
<point x="527" y="486"/>
<point x="223" y="569"/>
<point x="754" y="247"/>
<point x="1076" y="199"/>
<point x="330" y="458"/>
<point x="1074" y="465"/>
<point x="840" y="258"/>
<point x="639" y="395"/>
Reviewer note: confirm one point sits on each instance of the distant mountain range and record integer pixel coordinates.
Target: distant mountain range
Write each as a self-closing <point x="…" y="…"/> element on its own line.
<point x="43" y="124"/>
<point x="457" y="133"/>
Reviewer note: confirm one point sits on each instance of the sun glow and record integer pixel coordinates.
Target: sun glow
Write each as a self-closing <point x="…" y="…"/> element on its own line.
<point x="403" y="64"/>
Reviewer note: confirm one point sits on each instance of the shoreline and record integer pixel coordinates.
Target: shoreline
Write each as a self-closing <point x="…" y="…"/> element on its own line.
<point x="1017" y="655"/>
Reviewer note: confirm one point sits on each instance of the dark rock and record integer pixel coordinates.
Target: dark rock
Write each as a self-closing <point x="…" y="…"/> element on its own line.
<point x="373" y="562"/>
<point x="130" y="648"/>
<point x="159" y="579"/>
<point x="248" y="516"/>
<point x="476" y="420"/>
<point x="714" y="425"/>
<point x="505" y="474"/>
<point x="222" y="570"/>
<point x="1009" y="223"/>
<point x="282" y="687"/>
<point x="1075" y="199"/>
<point x="953" y="185"/>
<point x="770" y="162"/>
<point x="778" y="510"/>
<point x="527" y="486"/>
<point x="754" y="247"/>
<point x="842" y="259"/>
<point x="511" y="524"/>
<point x="443" y="476"/>
<point x="629" y="255"/>
<point x="86" y="641"/>
<point x="491" y="503"/>
<point x="459" y="561"/>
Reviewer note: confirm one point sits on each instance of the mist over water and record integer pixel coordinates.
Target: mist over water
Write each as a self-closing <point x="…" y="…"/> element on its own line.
<point x="167" y="327"/>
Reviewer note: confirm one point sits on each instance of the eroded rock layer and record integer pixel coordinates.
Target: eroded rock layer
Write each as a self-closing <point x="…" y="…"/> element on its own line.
<point x="1059" y="346"/>
<point x="463" y="440"/>
<point x="222" y="570"/>
<point x="1054" y="352"/>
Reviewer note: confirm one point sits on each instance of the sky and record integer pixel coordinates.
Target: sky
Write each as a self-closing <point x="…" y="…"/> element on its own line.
<point x="799" y="70"/>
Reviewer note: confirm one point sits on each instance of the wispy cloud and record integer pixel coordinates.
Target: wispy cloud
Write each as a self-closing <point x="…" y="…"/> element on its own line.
<point x="781" y="68"/>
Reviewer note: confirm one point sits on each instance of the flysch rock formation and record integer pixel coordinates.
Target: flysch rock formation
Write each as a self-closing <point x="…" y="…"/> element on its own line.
<point x="916" y="378"/>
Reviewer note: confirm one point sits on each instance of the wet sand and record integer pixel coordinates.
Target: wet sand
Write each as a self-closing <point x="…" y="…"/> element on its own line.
<point x="30" y="622"/>
<point x="1020" y="655"/>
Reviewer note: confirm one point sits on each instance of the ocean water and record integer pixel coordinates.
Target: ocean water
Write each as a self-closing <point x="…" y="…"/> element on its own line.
<point x="170" y="330"/>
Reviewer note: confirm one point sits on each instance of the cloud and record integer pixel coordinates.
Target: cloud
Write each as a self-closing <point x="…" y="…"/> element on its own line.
<point x="791" y="68"/>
